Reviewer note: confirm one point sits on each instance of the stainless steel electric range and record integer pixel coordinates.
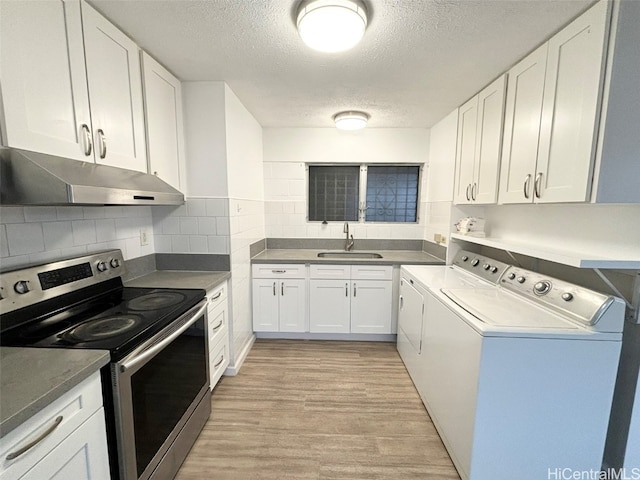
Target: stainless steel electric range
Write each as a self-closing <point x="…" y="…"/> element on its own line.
<point x="155" y="389"/>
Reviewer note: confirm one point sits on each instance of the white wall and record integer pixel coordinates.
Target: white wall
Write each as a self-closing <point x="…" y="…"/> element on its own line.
<point x="30" y="235"/>
<point x="287" y="150"/>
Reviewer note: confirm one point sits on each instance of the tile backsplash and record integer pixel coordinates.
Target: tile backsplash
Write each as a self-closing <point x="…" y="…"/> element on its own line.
<point x="31" y="235"/>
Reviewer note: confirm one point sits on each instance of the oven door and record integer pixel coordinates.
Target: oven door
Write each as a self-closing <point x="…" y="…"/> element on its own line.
<point x="156" y="388"/>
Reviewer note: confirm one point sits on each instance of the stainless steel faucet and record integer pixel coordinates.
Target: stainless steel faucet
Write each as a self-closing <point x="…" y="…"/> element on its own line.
<point x="348" y="243"/>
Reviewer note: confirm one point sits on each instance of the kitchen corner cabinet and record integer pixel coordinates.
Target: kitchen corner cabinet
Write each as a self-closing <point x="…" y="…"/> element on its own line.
<point x="552" y="113"/>
<point x="218" y="334"/>
<point x="480" y="122"/>
<point x="163" y="112"/>
<point x="76" y="445"/>
<point x="279" y="298"/>
<point x="71" y="84"/>
<point x="350" y="299"/>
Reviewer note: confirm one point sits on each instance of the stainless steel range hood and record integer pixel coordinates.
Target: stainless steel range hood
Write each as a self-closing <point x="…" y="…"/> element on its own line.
<point x="30" y="178"/>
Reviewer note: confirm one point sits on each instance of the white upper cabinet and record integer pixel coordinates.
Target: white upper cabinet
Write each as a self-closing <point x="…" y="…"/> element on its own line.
<point x="163" y="113"/>
<point x="480" y="122"/>
<point x="552" y="115"/>
<point x="442" y="159"/>
<point x="115" y="93"/>
<point x="44" y="87"/>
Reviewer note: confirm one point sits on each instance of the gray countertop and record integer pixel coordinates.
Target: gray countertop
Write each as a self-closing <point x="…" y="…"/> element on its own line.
<point x="389" y="257"/>
<point x="179" y="279"/>
<point x="32" y="378"/>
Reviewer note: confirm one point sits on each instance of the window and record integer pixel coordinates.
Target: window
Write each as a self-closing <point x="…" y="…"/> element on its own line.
<point x="376" y="193"/>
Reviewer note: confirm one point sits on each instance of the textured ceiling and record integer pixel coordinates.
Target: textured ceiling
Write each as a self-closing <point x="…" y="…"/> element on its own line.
<point x="419" y="59"/>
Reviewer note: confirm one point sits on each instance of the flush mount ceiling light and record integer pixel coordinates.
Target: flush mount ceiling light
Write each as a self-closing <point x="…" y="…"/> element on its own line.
<point x="351" y="120"/>
<point x="332" y="25"/>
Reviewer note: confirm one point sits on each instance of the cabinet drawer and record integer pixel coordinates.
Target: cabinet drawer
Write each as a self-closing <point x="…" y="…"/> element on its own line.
<point x="330" y="271"/>
<point x="67" y="412"/>
<point x="218" y="361"/>
<point x="371" y="272"/>
<point x="217" y="296"/>
<point x="275" y="270"/>
<point x="217" y="325"/>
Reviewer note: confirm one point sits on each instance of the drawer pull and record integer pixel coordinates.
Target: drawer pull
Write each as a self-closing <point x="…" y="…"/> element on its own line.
<point x="218" y="326"/>
<point x="278" y="271"/>
<point x="219" y="363"/>
<point x="217" y="296"/>
<point x="30" y="445"/>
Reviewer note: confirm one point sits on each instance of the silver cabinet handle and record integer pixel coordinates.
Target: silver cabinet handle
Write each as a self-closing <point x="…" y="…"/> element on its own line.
<point x="278" y="271"/>
<point x="467" y="192"/>
<point x="86" y="140"/>
<point x="217" y="327"/>
<point x="401" y="302"/>
<point x="274" y="289"/>
<point x="527" y="179"/>
<point x="33" y="443"/>
<point x="282" y="289"/>
<point x="217" y="296"/>
<point x="219" y="363"/>
<point x="537" y="184"/>
<point x="473" y="191"/>
<point x="103" y="143"/>
<point x="354" y="289"/>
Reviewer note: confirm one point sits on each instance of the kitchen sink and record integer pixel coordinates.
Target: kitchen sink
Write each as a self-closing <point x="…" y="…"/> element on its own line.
<point x="368" y="255"/>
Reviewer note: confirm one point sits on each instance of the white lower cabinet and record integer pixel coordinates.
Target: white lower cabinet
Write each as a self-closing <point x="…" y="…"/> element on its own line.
<point x="279" y="305"/>
<point x="67" y="439"/>
<point x="218" y="335"/>
<point x="329" y="304"/>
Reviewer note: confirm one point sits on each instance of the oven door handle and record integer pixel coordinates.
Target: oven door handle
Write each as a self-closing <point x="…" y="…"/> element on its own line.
<point x="145" y="354"/>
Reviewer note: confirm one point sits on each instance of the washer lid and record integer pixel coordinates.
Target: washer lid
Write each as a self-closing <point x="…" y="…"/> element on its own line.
<point x="499" y="308"/>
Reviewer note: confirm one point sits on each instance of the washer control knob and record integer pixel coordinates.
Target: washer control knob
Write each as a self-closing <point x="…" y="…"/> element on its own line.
<point x="512" y="276"/>
<point x="486" y="266"/>
<point x="115" y="263"/>
<point x="521" y="279"/>
<point x="21" y="287"/>
<point x="494" y="269"/>
<point x="101" y="266"/>
<point x="475" y="262"/>
<point x="567" y="296"/>
<point x="465" y="258"/>
<point x="541" y="288"/>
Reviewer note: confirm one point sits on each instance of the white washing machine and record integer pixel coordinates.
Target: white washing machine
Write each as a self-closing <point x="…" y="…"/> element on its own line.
<point x="518" y="376"/>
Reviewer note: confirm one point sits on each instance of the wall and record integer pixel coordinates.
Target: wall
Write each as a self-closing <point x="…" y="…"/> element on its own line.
<point x="287" y="150"/>
<point x="246" y="214"/>
<point x="30" y="235"/>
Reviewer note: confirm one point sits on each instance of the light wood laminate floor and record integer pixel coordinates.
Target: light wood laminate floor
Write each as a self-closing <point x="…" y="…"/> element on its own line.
<point x="318" y="410"/>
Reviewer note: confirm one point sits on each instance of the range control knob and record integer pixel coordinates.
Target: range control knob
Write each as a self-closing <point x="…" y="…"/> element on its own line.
<point x="101" y="266"/>
<point x="567" y="296"/>
<point x="465" y="258"/>
<point x="521" y="279"/>
<point x="494" y="269"/>
<point x="541" y="288"/>
<point x="486" y="266"/>
<point x="512" y="276"/>
<point x="475" y="262"/>
<point x="115" y="263"/>
<point x="21" y="287"/>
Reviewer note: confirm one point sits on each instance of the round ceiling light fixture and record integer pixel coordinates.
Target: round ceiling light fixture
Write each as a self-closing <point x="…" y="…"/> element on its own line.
<point x="332" y="25"/>
<point x="350" y="120"/>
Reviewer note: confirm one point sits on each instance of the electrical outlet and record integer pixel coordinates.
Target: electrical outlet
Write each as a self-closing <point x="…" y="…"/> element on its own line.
<point x="144" y="237"/>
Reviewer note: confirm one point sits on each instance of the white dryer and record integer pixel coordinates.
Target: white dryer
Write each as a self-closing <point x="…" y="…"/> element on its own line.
<point x="518" y="377"/>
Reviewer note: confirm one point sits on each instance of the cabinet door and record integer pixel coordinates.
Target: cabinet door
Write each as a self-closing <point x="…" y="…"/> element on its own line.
<point x="293" y="302"/>
<point x="523" y="112"/>
<point x="465" y="151"/>
<point x="442" y="159"/>
<point x="371" y="306"/>
<point x="163" y="115"/>
<point x="44" y="86"/>
<point x="488" y="142"/>
<point x="571" y="108"/>
<point x="115" y="93"/>
<point x="410" y="314"/>
<point x="83" y="454"/>
<point x="265" y="305"/>
<point x="329" y="306"/>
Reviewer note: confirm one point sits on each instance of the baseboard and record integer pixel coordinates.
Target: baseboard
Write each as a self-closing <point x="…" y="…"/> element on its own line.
<point x="358" y="337"/>
<point x="232" y="370"/>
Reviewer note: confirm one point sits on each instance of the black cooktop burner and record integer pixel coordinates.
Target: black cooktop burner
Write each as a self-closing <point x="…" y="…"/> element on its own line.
<point x="117" y="320"/>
